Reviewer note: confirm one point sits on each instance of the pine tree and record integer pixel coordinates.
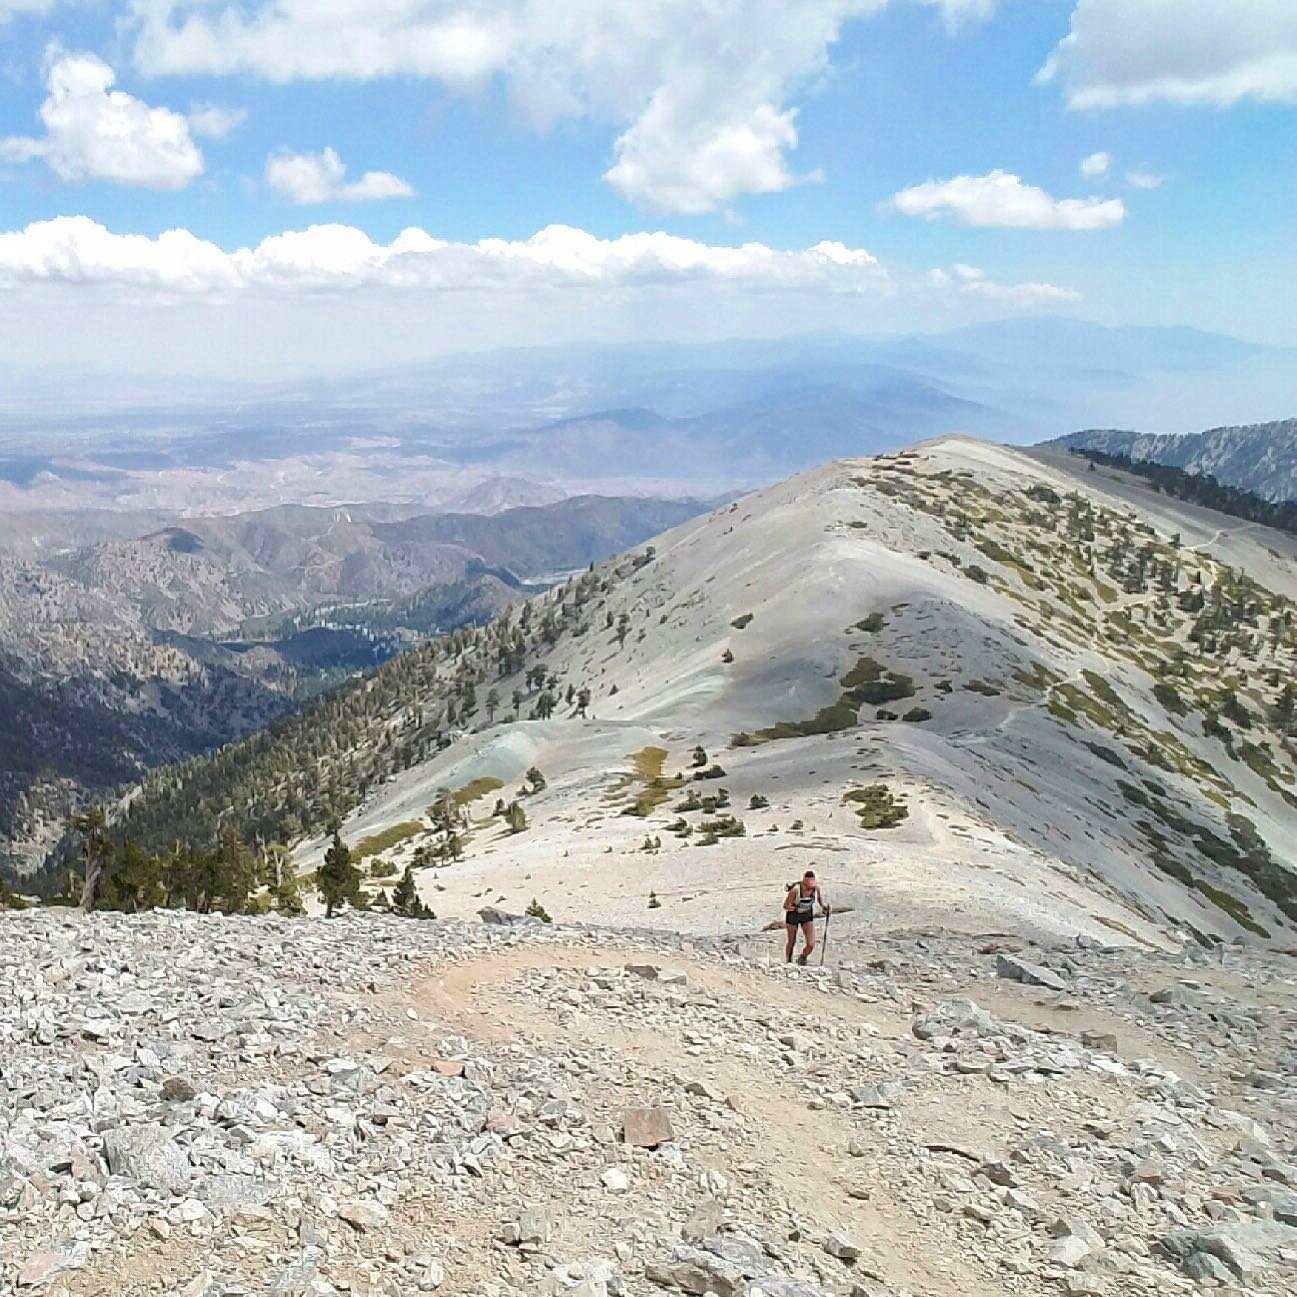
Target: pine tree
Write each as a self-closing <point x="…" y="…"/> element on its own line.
<point x="338" y="878"/>
<point x="92" y="828"/>
<point x="515" y="817"/>
<point x="132" y="879"/>
<point x="405" y="899"/>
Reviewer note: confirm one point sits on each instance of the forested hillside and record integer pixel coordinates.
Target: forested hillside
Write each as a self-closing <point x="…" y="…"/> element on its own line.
<point x="1202" y="489"/>
<point x="1256" y="457"/>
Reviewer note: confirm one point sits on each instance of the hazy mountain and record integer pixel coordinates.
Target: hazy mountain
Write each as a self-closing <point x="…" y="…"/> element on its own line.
<point x="524" y="426"/>
<point x="1070" y="708"/>
<point x="1260" y="457"/>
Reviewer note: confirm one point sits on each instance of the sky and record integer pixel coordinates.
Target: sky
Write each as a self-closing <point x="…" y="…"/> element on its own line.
<point x="204" y="186"/>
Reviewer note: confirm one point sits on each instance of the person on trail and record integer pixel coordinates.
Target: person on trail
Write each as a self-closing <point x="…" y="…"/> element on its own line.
<point x="799" y="914"/>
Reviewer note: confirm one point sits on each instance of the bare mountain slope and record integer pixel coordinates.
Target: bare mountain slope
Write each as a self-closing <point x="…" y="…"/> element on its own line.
<point x="1021" y="652"/>
<point x="1085" y="723"/>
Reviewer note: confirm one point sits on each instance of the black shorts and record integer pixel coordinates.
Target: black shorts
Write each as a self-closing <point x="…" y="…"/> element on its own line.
<point x="794" y="921"/>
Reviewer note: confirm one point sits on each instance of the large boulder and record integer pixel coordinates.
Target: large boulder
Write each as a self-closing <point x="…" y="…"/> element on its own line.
<point x="1013" y="969"/>
<point x="148" y="1155"/>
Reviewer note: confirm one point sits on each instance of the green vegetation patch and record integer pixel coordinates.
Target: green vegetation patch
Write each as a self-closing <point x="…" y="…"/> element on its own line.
<point x="868" y="682"/>
<point x="648" y="763"/>
<point x="1235" y="908"/>
<point x="877" y="807"/>
<point x="1169" y="697"/>
<point x="476" y="788"/>
<point x="998" y="554"/>
<point x="386" y="838"/>
<point x="741" y="623"/>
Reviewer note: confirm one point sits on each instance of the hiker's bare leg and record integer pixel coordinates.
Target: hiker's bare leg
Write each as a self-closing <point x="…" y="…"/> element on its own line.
<point x="808" y="931"/>
<point x="790" y="943"/>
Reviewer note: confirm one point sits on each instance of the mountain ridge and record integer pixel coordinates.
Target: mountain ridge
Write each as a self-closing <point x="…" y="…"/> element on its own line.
<point x="1030" y="679"/>
<point x="1259" y="457"/>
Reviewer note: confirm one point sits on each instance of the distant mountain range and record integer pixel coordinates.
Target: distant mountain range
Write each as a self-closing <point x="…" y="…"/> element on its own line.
<point x="1259" y="457"/>
<point x="486" y="431"/>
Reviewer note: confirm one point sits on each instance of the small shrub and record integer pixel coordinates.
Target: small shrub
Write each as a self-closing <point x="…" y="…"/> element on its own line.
<point x="723" y="826"/>
<point x="917" y="714"/>
<point x="976" y="573"/>
<point x="537" y="911"/>
<point x="758" y="802"/>
<point x="877" y="807"/>
<point x="741" y="623"/>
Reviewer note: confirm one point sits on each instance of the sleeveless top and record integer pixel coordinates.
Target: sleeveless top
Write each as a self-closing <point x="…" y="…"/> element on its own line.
<point x="804" y="910"/>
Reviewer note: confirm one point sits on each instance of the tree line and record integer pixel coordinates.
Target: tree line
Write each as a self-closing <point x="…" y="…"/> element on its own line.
<point x="1201" y="488"/>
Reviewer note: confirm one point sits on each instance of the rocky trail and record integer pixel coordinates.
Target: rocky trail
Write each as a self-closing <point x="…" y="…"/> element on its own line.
<point x="225" y="1106"/>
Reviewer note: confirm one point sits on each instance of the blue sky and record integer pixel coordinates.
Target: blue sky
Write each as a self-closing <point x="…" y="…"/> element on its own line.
<point x="904" y="164"/>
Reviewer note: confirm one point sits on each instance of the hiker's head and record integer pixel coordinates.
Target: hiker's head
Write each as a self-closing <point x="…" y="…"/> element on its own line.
<point x="808" y="878"/>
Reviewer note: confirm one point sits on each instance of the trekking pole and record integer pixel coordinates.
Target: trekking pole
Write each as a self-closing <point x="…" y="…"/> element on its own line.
<point x="824" y="945"/>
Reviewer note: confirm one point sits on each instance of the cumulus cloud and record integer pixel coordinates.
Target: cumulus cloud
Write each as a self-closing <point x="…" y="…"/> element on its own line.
<point x="1002" y="199"/>
<point x="76" y="254"/>
<point x="1095" y="165"/>
<point x="215" y="121"/>
<point x="93" y="132"/>
<point x="1143" y="180"/>
<point x="308" y="178"/>
<point x="1177" y="51"/>
<point x="78" y="250"/>
<point x="970" y="282"/>
<point x="700" y="93"/>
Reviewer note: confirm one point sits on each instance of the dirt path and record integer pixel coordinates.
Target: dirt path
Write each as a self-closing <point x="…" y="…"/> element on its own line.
<point x="802" y="1150"/>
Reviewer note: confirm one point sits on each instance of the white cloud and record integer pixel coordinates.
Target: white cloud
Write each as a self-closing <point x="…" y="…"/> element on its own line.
<point x="1096" y="165"/>
<point x="78" y="250"/>
<point x="215" y="121"/>
<point x="307" y="178"/>
<point x="699" y="92"/>
<point x="959" y="12"/>
<point x="671" y="161"/>
<point x="1001" y="199"/>
<point x="93" y="132"/>
<point x="76" y="255"/>
<point x="1143" y="180"/>
<point x="11" y="8"/>
<point x="1177" y="51"/>
<point x="964" y="281"/>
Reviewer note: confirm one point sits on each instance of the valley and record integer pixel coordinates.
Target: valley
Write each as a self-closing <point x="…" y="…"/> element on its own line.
<point x="138" y="651"/>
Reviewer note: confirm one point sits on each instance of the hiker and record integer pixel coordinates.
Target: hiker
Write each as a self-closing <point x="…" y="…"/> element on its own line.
<point x="799" y="913"/>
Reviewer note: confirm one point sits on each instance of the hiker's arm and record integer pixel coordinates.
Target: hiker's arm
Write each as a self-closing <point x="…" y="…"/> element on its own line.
<point x="790" y="901"/>
<point x="824" y="905"/>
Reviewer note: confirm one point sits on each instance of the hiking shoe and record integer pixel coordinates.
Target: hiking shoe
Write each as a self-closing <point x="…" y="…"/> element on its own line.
<point x="802" y="958"/>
